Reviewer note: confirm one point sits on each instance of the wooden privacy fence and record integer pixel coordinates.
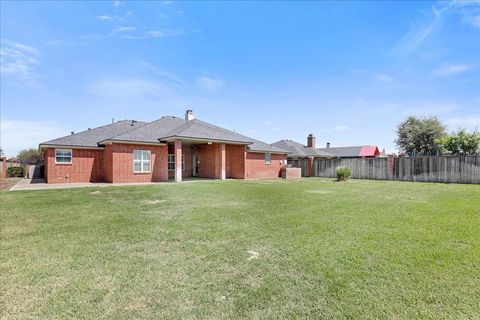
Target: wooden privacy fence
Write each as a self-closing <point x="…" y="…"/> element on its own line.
<point x="302" y="163"/>
<point x="461" y="169"/>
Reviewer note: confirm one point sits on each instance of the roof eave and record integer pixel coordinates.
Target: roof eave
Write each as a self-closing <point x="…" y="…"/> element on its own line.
<point x="46" y="146"/>
<point x="175" y="137"/>
<point x="149" y="143"/>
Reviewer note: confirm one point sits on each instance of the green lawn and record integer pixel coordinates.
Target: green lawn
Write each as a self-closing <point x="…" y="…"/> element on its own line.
<point x="312" y="248"/>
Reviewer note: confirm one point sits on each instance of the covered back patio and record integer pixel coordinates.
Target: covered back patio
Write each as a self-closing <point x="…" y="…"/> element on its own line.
<point x="205" y="159"/>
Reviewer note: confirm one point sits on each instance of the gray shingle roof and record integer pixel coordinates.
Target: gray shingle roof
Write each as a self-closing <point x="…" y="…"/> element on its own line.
<point x="299" y="150"/>
<point x="164" y="128"/>
<point x="343" y="152"/>
<point x="203" y="130"/>
<point x="90" y="138"/>
<point x="151" y="131"/>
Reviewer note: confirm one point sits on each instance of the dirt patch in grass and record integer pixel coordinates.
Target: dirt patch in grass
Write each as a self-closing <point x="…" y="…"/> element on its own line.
<point x="95" y="192"/>
<point x="253" y="254"/>
<point x="157" y="201"/>
<point x="320" y="191"/>
<point x="7" y="183"/>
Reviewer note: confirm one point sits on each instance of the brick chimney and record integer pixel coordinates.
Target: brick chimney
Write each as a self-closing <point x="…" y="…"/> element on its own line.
<point x="311" y="141"/>
<point x="189" y="115"/>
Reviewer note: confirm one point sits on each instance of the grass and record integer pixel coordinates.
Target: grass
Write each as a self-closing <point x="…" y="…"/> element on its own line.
<point x="311" y="248"/>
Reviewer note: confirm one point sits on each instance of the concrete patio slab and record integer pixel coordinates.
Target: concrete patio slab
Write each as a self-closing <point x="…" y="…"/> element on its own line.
<point x="40" y="184"/>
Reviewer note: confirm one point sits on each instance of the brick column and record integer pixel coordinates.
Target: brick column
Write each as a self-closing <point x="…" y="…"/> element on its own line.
<point x="310" y="167"/>
<point x="220" y="161"/>
<point x="178" y="160"/>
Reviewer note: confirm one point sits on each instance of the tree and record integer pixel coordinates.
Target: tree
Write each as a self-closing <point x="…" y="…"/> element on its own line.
<point x="420" y="135"/>
<point x="30" y="156"/>
<point x="461" y="142"/>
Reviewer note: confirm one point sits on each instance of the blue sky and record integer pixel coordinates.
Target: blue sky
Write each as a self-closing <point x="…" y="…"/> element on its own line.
<point x="348" y="72"/>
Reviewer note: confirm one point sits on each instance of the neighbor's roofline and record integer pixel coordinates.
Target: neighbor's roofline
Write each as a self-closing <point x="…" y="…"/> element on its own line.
<point x="268" y="151"/>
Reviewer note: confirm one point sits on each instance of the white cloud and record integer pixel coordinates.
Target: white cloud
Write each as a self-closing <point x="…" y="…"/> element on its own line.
<point x="162" y="33"/>
<point x="418" y="33"/>
<point x="116" y="3"/>
<point x="453" y="69"/>
<point x="341" y="128"/>
<point x="209" y="84"/>
<point x="469" y="11"/>
<point x="474" y="21"/>
<point x="104" y="17"/>
<point x="19" y="134"/>
<point x="18" y="60"/>
<point x="124" y="29"/>
<point x="384" y="78"/>
<point x="467" y="122"/>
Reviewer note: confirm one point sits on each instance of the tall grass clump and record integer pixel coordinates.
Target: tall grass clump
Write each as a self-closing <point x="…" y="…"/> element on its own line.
<point x="343" y="173"/>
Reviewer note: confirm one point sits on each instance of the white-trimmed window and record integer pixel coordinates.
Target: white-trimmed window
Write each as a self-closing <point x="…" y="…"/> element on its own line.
<point x="141" y="160"/>
<point x="63" y="156"/>
<point x="268" y="158"/>
<point x="171" y="162"/>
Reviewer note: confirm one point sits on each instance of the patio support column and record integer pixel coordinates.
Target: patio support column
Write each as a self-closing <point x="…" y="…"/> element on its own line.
<point x="178" y="160"/>
<point x="310" y="167"/>
<point x="220" y="161"/>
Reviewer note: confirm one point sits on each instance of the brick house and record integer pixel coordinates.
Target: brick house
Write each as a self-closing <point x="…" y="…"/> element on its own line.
<point x="167" y="148"/>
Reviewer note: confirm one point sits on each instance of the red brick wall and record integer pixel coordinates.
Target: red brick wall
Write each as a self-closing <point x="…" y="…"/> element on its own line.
<point x="119" y="163"/>
<point x="255" y="167"/>
<point x="86" y="166"/>
<point x="206" y="157"/>
<point x="188" y="154"/>
<point x="235" y="156"/>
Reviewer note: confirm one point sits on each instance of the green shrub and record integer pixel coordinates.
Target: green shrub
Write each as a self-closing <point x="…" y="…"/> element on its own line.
<point x="343" y="173"/>
<point x="15" y="172"/>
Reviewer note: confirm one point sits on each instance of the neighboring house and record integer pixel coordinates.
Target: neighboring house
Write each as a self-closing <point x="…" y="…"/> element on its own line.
<point x="299" y="152"/>
<point x="351" y="152"/>
<point x="170" y="147"/>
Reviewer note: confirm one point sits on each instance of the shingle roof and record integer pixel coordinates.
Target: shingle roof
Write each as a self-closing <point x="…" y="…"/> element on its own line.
<point x="91" y="137"/>
<point x="297" y="149"/>
<point x="350" y="152"/>
<point x="151" y="131"/>
<point x="203" y="130"/>
<point x="165" y="128"/>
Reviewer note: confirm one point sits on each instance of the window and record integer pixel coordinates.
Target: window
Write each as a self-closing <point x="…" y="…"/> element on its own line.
<point x="141" y="160"/>
<point x="268" y="158"/>
<point x="171" y="162"/>
<point x="63" y="155"/>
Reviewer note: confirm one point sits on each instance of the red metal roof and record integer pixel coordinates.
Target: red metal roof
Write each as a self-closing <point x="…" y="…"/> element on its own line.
<point x="369" y="151"/>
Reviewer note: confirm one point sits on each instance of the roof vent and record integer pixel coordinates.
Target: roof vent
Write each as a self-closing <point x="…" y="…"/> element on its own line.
<point x="133" y="123"/>
<point x="328" y="145"/>
<point x="189" y="115"/>
<point x="71" y="132"/>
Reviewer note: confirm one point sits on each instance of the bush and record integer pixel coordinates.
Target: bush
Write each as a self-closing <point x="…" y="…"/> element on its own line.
<point x="15" y="172"/>
<point x="343" y="173"/>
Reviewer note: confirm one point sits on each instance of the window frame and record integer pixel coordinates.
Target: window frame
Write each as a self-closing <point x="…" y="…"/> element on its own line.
<point x="142" y="161"/>
<point x="63" y="150"/>
<point x="269" y="161"/>
<point x="172" y="156"/>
